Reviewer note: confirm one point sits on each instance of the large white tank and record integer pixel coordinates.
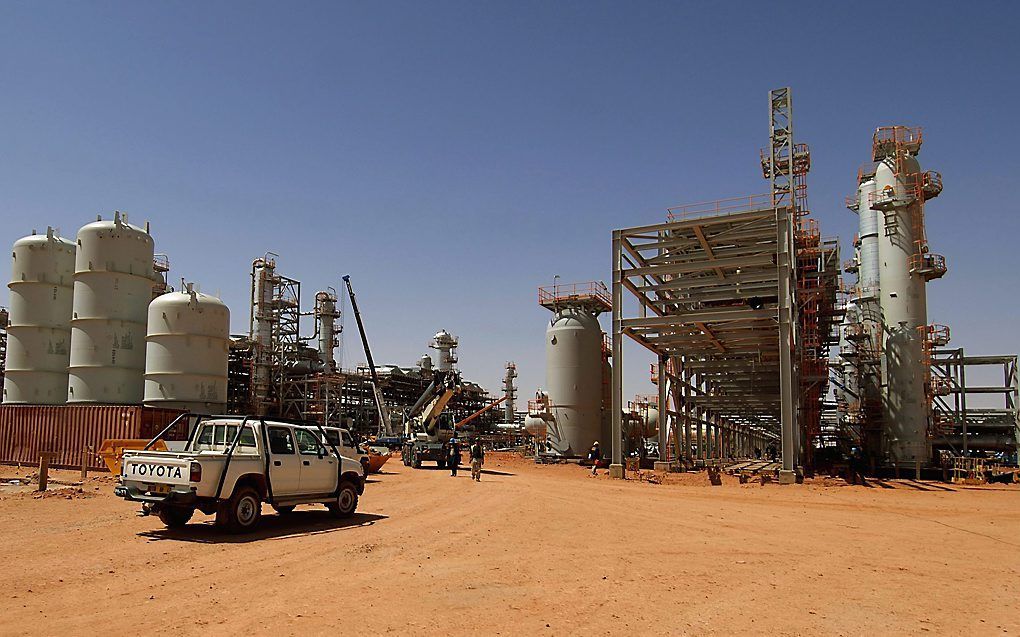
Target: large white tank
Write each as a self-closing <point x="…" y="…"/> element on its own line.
<point x="113" y="281"/>
<point x="574" y="368"/>
<point x="39" y="332"/>
<point x="904" y="310"/>
<point x="186" y="352"/>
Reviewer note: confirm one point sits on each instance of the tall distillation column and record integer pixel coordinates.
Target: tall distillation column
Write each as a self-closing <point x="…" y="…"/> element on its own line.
<point x="868" y="338"/>
<point x="263" y="271"/>
<point x="326" y="316"/>
<point x="903" y="254"/>
<point x="510" y="391"/>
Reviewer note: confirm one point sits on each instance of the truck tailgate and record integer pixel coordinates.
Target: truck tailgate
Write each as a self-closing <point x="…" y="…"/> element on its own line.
<point x="155" y="469"/>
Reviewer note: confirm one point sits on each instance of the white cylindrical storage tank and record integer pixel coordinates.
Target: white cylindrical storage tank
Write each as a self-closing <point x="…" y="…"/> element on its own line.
<point x="39" y="328"/>
<point x="904" y="310"/>
<point x="186" y="352"/>
<point x="113" y="282"/>
<point x="574" y="367"/>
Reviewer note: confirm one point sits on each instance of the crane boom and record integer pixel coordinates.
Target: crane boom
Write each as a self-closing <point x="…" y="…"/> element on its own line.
<point x="479" y="412"/>
<point x="384" y="412"/>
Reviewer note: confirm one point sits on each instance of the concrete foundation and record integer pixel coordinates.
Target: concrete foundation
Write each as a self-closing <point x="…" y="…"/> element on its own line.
<point x="617" y="471"/>
<point x="787" y="477"/>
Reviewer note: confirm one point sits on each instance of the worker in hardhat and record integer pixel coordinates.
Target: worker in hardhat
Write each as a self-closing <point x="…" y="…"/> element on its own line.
<point x="595" y="457"/>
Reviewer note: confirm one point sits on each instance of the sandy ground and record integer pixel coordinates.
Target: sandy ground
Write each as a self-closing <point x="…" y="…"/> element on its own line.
<point x="529" y="550"/>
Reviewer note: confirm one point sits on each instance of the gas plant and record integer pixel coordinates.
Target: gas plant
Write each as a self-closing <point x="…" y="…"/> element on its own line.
<point x="93" y="322"/>
<point x="762" y="356"/>
<point x="902" y="393"/>
<point x="274" y="371"/>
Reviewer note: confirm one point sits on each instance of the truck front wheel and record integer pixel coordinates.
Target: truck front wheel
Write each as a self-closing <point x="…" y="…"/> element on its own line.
<point x="346" y="501"/>
<point x="175" y="517"/>
<point x="242" y="512"/>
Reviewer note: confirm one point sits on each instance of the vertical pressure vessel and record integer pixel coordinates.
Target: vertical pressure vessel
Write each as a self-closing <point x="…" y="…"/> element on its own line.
<point x="904" y="310"/>
<point x="113" y="282"/>
<point x="186" y="352"/>
<point x="574" y="368"/>
<point x="39" y="331"/>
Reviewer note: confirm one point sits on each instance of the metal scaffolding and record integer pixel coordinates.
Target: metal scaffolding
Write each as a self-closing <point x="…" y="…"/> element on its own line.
<point x="737" y="300"/>
<point x="971" y="412"/>
<point x="711" y="300"/>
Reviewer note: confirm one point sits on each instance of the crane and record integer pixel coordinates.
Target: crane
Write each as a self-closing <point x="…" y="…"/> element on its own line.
<point x="480" y="412"/>
<point x="421" y="422"/>
<point x="380" y="404"/>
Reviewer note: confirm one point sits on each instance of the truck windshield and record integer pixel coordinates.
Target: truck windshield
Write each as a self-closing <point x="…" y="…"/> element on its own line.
<point x="218" y="436"/>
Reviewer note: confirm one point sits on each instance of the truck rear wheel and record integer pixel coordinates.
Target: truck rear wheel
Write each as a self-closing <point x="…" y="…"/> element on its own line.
<point x="175" y="517"/>
<point x="242" y="512"/>
<point x="346" y="500"/>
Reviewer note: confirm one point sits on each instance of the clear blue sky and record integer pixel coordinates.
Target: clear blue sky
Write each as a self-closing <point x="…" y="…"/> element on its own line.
<point x="453" y="156"/>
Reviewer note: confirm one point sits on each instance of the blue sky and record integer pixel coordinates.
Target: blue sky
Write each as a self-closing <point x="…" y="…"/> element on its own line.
<point x="452" y="156"/>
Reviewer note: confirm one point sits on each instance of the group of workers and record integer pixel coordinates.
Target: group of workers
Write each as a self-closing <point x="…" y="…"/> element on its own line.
<point x="452" y="451"/>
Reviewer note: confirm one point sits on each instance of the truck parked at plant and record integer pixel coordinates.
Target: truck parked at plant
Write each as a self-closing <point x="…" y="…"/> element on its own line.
<point x="231" y="466"/>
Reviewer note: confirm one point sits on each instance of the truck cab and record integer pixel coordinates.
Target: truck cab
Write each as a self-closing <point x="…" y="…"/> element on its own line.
<point x="231" y="466"/>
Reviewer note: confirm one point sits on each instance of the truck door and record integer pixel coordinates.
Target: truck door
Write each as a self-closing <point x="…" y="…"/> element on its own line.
<point x="318" y="465"/>
<point x="284" y="463"/>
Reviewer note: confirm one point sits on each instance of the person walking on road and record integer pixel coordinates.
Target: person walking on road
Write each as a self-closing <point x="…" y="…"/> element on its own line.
<point x="453" y="459"/>
<point x="477" y="459"/>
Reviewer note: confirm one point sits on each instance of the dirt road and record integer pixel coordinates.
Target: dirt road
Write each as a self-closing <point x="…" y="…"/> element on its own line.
<point x="529" y="550"/>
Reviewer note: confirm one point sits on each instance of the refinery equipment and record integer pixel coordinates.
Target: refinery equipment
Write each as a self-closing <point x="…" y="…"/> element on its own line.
<point x="904" y="394"/>
<point x="326" y="328"/>
<point x="737" y="300"/>
<point x="39" y="320"/>
<point x="446" y="344"/>
<point x="186" y="352"/>
<point x="113" y="284"/>
<point x="510" y="394"/>
<point x="577" y="368"/>
<point x="4" y="318"/>
<point x="886" y="342"/>
<point x="644" y="420"/>
<point x="273" y="371"/>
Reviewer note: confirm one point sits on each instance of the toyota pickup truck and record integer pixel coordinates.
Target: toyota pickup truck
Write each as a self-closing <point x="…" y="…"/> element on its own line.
<point x="230" y="466"/>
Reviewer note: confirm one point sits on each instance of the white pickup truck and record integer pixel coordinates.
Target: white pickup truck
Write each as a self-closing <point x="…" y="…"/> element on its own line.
<point x="230" y="466"/>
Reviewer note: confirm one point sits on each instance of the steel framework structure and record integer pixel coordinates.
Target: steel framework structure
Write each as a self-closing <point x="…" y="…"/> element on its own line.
<point x="710" y="299"/>
<point x="737" y="299"/>
<point x="972" y="415"/>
